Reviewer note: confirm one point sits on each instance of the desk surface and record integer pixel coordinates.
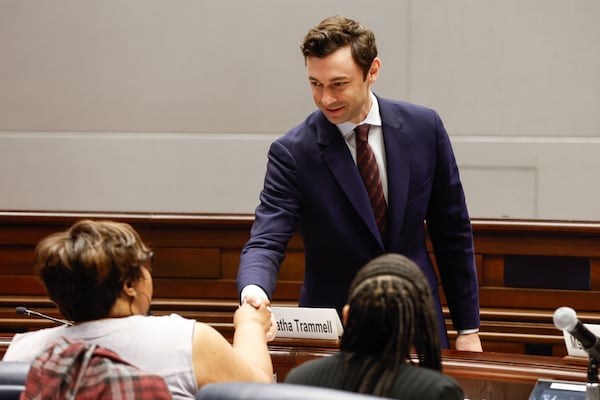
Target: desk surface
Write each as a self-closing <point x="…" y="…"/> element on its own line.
<point x="485" y="375"/>
<point x="507" y="376"/>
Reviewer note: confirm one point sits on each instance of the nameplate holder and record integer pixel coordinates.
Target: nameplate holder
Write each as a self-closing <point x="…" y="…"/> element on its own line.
<point x="574" y="347"/>
<point x="307" y="323"/>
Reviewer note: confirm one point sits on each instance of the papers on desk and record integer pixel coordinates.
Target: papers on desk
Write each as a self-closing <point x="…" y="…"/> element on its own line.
<point x="307" y="323"/>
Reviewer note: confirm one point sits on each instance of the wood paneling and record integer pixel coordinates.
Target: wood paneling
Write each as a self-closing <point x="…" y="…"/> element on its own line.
<point x="196" y="259"/>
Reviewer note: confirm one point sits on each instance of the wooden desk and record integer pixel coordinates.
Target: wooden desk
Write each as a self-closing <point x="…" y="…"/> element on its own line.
<point x="506" y="376"/>
<point x="197" y="256"/>
<point x="485" y="375"/>
<point x="488" y="375"/>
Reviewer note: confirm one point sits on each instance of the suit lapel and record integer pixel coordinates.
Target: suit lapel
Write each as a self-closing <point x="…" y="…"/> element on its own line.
<point x="336" y="155"/>
<point x="398" y="169"/>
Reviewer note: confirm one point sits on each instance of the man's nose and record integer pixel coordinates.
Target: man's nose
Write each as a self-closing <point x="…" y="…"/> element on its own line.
<point x="328" y="98"/>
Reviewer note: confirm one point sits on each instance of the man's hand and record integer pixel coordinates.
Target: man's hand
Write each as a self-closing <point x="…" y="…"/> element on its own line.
<point x="468" y="342"/>
<point x="256" y="303"/>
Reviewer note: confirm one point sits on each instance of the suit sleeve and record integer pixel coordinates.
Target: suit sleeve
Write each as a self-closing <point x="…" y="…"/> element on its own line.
<point x="451" y="234"/>
<point x="275" y="222"/>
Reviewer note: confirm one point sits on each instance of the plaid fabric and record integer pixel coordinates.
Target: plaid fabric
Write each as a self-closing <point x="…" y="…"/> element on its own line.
<point x="70" y="369"/>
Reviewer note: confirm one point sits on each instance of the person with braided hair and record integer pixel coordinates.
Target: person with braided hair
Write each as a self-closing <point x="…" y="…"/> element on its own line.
<point x="391" y="342"/>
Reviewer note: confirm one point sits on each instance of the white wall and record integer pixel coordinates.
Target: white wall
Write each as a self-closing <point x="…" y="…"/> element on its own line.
<point x="169" y="106"/>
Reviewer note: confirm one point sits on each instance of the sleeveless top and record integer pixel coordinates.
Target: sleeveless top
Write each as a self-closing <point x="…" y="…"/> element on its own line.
<point x="157" y="344"/>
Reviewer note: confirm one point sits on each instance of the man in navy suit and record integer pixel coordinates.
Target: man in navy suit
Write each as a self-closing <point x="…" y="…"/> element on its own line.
<point x="313" y="184"/>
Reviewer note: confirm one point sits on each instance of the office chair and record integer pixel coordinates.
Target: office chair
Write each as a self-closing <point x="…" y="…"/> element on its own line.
<point x="12" y="379"/>
<point x="275" y="391"/>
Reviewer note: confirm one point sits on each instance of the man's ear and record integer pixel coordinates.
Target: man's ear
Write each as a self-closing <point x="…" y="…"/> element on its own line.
<point x="345" y="312"/>
<point x="374" y="70"/>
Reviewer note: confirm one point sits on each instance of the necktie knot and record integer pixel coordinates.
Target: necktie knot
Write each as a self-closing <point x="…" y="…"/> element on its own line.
<point x="362" y="132"/>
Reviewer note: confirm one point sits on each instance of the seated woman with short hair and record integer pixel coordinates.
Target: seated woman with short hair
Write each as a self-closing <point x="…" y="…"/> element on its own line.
<point x="98" y="275"/>
<point x="389" y="313"/>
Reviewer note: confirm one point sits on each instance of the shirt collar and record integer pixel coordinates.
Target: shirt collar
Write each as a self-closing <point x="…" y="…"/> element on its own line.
<point x="372" y="118"/>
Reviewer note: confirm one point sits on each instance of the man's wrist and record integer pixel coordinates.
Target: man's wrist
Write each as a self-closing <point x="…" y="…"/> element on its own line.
<point x="254" y="291"/>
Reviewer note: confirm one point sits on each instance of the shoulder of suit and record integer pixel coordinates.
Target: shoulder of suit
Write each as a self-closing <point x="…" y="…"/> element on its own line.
<point x="403" y="105"/>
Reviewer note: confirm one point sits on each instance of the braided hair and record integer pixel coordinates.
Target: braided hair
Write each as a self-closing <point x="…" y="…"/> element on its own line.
<point x="391" y="313"/>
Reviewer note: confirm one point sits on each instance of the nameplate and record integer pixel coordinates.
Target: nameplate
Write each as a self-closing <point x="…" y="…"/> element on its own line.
<point x="307" y="323"/>
<point x="574" y="347"/>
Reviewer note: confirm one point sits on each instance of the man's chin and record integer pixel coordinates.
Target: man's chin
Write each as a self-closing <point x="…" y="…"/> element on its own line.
<point x="334" y="118"/>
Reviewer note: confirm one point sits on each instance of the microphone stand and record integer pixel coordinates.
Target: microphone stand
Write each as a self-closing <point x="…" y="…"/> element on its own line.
<point x="25" y="311"/>
<point x="592" y="389"/>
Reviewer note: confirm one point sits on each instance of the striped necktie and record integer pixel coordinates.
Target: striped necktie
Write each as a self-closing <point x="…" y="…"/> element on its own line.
<point x="367" y="167"/>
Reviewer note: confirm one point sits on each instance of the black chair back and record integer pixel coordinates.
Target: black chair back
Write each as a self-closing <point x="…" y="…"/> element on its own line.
<point x="274" y="391"/>
<point x="12" y="379"/>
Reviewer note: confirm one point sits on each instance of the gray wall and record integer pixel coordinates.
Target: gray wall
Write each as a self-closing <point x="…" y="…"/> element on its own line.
<point x="170" y="106"/>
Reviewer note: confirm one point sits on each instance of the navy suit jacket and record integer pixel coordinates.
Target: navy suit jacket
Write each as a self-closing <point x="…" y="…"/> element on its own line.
<point x="312" y="184"/>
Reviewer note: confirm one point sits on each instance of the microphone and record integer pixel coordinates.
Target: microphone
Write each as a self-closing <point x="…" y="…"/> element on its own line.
<point x="566" y="319"/>
<point x="25" y="311"/>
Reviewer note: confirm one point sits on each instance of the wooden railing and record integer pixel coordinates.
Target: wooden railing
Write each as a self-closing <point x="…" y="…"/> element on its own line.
<point x="526" y="270"/>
